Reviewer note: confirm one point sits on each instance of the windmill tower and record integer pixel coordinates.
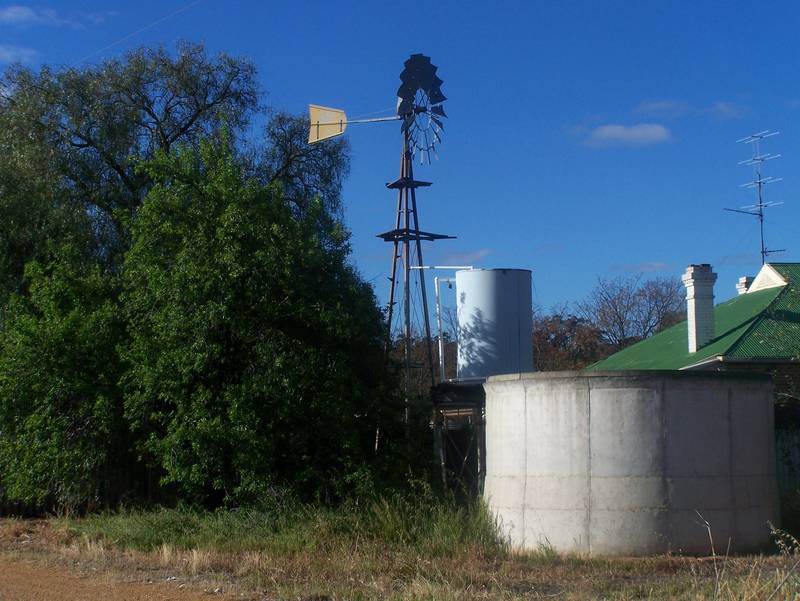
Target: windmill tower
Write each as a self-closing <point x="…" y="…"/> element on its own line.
<point x="420" y="113"/>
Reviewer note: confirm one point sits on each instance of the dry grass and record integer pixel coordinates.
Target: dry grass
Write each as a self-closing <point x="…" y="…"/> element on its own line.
<point x="331" y="556"/>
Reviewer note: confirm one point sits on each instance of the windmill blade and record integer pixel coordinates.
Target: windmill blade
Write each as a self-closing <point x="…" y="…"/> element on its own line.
<point x="407" y="90"/>
<point x="405" y="105"/>
<point x="419" y="103"/>
<point x="436" y="96"/>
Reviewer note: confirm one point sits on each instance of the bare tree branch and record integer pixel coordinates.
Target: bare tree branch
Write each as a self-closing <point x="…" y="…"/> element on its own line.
<point x="627" y="310"/>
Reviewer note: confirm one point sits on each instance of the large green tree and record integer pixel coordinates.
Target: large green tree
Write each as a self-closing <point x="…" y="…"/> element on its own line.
<point x="63" y="440"/>
<point x="206" y="284"/>
<point x="71" y="138"/>
<point x="34" y="212"/>
<point x="308" y="173"/>
<point x="256" y="350"/>
<point x="95" y="124"/>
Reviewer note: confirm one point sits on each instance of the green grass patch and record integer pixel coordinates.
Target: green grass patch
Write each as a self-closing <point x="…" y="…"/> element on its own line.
<point x="410" y="547"/>
<point x="424" y="526"/>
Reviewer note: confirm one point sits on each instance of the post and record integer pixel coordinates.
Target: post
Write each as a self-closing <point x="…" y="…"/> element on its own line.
<point x="439" y="327"/>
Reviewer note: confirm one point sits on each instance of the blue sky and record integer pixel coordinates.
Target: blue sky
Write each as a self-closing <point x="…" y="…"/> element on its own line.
<point x="584" y="139"/>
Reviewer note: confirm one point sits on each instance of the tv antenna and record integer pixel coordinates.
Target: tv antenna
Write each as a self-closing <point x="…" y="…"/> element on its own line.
<point x="419" y="108"/>
<point x="758" y="184"/>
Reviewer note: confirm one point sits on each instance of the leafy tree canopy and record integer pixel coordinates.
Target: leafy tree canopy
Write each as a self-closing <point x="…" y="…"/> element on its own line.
<point x="62" y="438"/>
<point x="255" y="349"/>
<point x="173" y="294"/>
<point x="563" y="341"/>
<point x="70" y="141"/>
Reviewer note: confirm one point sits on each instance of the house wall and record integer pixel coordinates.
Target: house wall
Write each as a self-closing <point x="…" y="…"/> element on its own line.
<point x="787" y="379"/>
<point x="785" y="375"/>
<point x="620" y="463"/>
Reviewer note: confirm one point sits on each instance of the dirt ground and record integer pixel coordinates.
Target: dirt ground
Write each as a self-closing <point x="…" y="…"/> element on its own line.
<point x="27" y="580"/>
<point x="44" y="560"/>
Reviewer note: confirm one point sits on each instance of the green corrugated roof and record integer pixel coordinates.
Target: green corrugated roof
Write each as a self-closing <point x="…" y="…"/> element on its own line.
<point x="757" y="325"/>
<point x="776" y="333"/>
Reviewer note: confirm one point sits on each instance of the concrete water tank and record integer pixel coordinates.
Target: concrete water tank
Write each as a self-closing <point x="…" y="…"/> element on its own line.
<point x="495" y="322"/>
<point x="632" y="463"/>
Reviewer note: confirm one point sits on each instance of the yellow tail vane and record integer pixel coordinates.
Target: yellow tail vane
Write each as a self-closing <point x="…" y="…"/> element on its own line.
<point x="325" y="123"/>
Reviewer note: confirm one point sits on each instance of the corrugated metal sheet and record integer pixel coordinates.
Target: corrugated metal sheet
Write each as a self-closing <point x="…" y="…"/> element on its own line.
<point x="776" y="334"/>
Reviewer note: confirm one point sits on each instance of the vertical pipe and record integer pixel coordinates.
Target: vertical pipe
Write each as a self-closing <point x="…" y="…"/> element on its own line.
<point x="439" y="327"/>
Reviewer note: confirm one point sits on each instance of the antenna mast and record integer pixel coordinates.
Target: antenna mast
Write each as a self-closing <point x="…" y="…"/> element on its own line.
<point x="758" y="184"/>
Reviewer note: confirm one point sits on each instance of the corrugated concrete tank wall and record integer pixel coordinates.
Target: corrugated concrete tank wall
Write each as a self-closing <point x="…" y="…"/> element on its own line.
<point x="620" y="463"/>
<point x="495" y="322"/>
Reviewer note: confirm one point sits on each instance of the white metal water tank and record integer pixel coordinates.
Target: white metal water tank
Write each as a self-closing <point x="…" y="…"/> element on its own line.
<point x="495" y="322"/>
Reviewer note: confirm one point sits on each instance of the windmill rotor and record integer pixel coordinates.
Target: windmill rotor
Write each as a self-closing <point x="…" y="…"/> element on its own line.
<point x="419" y="107"/>
<point x="419" y="104"/>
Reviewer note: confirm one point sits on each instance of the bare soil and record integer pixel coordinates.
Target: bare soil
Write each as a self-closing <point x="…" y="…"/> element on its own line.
<point x="31" y="580"/>
<point x="41" y="563"/>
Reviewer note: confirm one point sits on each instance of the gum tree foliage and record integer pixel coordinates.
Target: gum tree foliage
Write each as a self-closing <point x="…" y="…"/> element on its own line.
<point x="307" y="172"/>
<point x="95" y="124"/>
<point x="62" y="435"/>
<point x="256" y="351"/>
<point x="240" y="312"/>
<point x="33" y="212"/>
<point x="564" y="341"/>
<point x="70" y="140"/>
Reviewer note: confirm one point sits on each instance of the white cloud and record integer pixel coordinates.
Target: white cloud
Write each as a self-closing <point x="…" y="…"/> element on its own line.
<point x="25" y="15"/>
<point x="640" y="134"/>
<point x="727" y="110"/>
<point x="646" y="267"/>
<point x="664" y="108"/>
<point x="17" y="54"/>
<point x="100" y="17"/>
<point x="468" y="257"/>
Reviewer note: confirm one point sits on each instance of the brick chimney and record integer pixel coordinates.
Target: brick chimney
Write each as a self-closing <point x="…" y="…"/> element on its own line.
<point x="699" y="281"/>
<point x="744" y="283"/>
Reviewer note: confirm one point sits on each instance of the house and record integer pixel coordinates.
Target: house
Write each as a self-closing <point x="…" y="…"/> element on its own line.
<point x="758" y="330"/>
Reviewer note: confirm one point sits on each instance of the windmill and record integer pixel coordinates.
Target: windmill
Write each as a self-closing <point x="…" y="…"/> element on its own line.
<point x="420" y="113"/>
